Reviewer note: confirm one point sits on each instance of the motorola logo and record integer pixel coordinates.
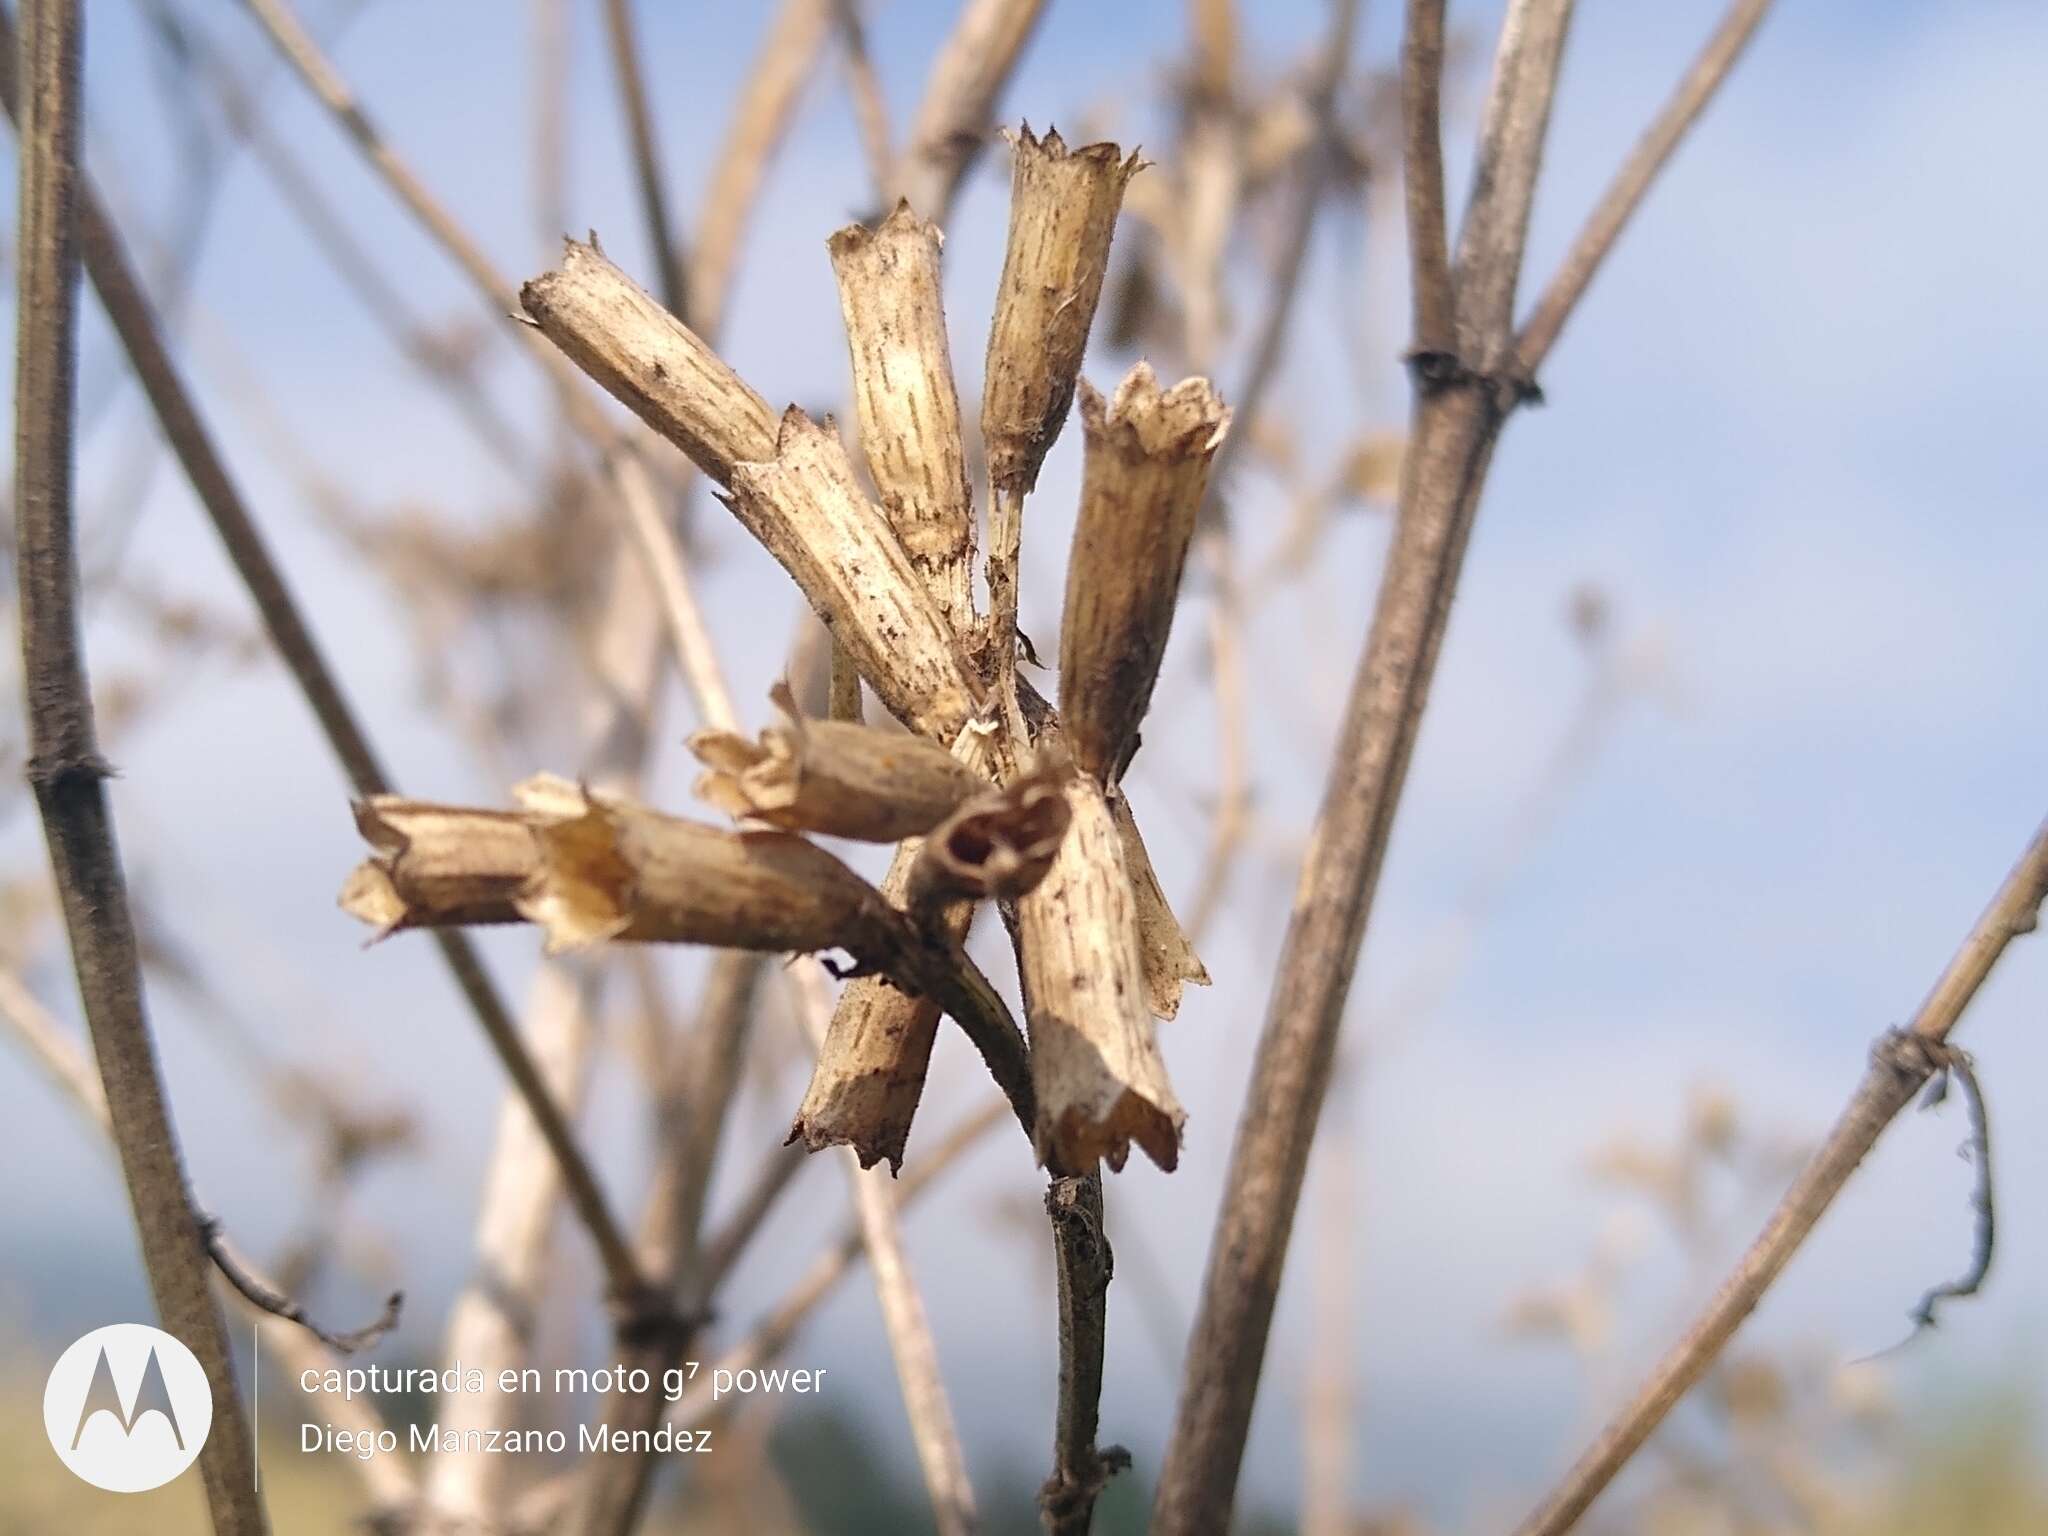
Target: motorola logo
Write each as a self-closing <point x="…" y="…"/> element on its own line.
<point x="127" y="1408"/>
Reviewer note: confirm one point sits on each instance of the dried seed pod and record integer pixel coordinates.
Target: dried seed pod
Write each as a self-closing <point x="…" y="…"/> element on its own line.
<point x="889" y="296"/>
<point x="649" y="360"/>
<point x="869" y="1076"/>
<point x="1170" y="959"/>
<point x="587" y="867"/>
<point x="999" y="844"/>
<point x="591" y="867"/>
<point x="1142" y="481"/>
<point x="1063" y="208"/>
<point x="808" y="510"/>
<point x="833" y="777"/>
<point x="1099" y="1079"/>
<point x="870" y="1072"/>
<point x="613" y="869"/>
<point x="460" y="866"/>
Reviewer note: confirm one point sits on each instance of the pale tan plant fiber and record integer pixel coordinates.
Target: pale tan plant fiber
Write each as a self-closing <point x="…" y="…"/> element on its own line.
<point x="909" y="409"/>
<point x="869" y="1077"/>
<point x="1100" y="1080"/>
<point x="933" y="1429"/>
<point x="588" y="867"/>
<point x="618" y="333"/>
<point x="1143" y="478"/>
<point x="1063" y="208"/>
<point x="833" y="777"/>
<point x="768" y="102"/>
<point x="1169" y="956"/>
<point x="960" y="98"/>
<point x="806" y="507"/>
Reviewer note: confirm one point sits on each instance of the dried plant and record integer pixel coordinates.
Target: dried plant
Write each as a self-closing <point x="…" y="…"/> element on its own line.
<point x="984" y="790"/>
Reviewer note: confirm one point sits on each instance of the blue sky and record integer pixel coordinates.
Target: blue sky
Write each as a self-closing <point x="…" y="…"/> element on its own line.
<point x="1793" y="434"/>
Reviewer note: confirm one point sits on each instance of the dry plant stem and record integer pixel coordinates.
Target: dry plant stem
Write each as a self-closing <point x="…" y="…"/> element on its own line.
<point x="1232" y="820"/>
<point x="869" y="1076"/>
<point x="1084" y="1265"/>
<point x="650" y="361"/>
<point x="1452" y="437"/>
<point x="129" y="312"/>
<point x="759" y="123"/>
<point x="65" y="767"/>
<point x="1063" y="209"/>
<point x="743" y="1222"/>
<point x="1096" y="1070"/>
<point x="870" y="1072"/>
<point x="490" y="1325"/>
<point x="1317" y="163"/>
<point x="932" y="1426"/>
<point x="390" y="1485"/>
<point x="780" y="1325"/>
<point x="870" y="109"/>
<point x="1488" y="265"/>
<point x="833" y="777"/>
<point x="807" y="509"/>
<point x="953" y="119"/>
<point x="1226" y="611"/>
<point x="312" y="66"/>
<point x="697" y="1096"/>
<point x="1168" y="949"/>
<point x="1143" y="478"/>
<point x="333" y="234"/>
<point x="590" y="868"/>
<point x="1329" y="1406"/>
<point x="1213" y="25"/>
<point x="266" y="1296"/>
<point x="1901" y="1063"/>
<point x="662" y="554"/>
<point x="553" y="64"/>
<point x="1632" y="183"/>
<point x="792" y="486"/>
<point x="1422" y="159"/>
<point x="910" y="433"/>
<point x="620" y="32"/>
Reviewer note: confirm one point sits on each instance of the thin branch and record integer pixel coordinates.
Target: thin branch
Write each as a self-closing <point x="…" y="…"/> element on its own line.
<point x="391" y="1486"/>
<point x="1901" y="1063"/>
<point x="932" y="1426"/>
<point x="1451" y="444"/>
<point x="1226" y="615"/>
<point x="65" y="767"/>
<point x="1422" y="156"/>
<point x="333" y="234"/>
<point x="743" y="1222"/>
<point x="1084" y="1265"/>
<point x="1496" y="222"/>
<point x="698" y="1096"/>
<point x="760" y="122"/>
<point x="129" y="311"/>
<point x="966" y="80"/>
<point x="870" y="107"/>
<point x="1632" y="183"/>
<point x="266" y="1296"/>
<point x="775" y="1331"/>
<point x="1318" y="165"/>
<point x="661" y="230"/>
